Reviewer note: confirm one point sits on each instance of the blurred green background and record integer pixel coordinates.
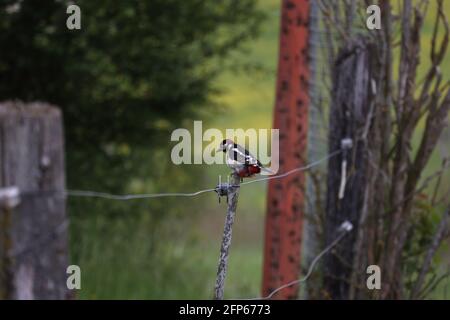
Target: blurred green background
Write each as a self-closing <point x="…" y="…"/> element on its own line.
<point x="133" y="73"/>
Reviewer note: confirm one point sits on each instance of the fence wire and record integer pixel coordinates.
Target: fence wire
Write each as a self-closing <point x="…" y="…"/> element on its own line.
<point x="126" y="197"/>
<point x="46" y="238"/>
<point x="345" y="228"/>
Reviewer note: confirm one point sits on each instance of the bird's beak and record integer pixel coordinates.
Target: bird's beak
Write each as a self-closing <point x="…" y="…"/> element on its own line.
<point x="219" y="150"/>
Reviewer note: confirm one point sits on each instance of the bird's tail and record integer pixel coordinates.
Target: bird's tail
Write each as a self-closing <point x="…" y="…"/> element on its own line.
<point x="267" y="170"/>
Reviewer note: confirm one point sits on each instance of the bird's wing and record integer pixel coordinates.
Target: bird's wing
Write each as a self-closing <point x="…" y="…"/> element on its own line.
<point x="243" y="156"/>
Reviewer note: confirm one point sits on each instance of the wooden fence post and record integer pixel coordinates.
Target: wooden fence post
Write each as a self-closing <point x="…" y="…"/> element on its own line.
<point x="9" y="199"/>
<point x="352" y="100"/>
<point x="33" y="242"/>
<point x="233" y="193"/>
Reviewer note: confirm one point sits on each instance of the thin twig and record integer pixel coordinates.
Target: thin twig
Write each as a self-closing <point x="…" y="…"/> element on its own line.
<point x="437" y="239"/>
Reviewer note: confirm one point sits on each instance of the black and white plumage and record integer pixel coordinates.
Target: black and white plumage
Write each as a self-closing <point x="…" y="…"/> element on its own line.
<point x="239" y="159"/>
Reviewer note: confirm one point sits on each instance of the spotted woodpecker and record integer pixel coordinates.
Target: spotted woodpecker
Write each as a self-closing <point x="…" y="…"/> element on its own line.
<point x="242" y="162"/>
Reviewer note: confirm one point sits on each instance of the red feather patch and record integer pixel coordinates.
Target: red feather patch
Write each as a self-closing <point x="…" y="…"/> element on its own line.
<point x="248" y="171"/>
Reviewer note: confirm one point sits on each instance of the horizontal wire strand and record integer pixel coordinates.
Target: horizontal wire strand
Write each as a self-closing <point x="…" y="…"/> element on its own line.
<point x="309" y="166"/>
<point x="94" y="194"/>
<point x="126" y="197"/>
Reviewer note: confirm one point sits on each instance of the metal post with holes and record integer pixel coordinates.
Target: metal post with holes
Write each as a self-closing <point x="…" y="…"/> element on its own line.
<point x="286" y="197"/>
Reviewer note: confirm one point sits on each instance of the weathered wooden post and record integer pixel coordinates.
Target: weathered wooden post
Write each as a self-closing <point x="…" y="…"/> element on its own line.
<point x="9" y="199"/>
<point x="33" y="236"/>
<point x="232" y="193"/>
<point x="352" y="100"/>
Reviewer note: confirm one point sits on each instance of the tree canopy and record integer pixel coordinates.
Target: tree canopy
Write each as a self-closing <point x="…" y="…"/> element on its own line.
<point x="134" y="68"/>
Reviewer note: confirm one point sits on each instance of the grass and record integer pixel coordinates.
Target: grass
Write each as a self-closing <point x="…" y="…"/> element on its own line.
<point x="176" y="258"/>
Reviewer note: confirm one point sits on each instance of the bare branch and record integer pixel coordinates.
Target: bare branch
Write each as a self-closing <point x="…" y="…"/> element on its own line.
<point x="439" y="235"/>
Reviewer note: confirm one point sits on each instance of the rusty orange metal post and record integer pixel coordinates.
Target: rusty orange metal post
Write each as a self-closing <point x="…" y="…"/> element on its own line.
<point x="285" y="201"/>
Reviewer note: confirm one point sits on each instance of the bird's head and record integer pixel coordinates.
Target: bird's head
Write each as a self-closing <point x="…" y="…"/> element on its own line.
<point x="225" y="144"/>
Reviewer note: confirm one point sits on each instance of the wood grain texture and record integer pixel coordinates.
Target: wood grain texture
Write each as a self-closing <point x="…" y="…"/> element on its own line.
<point x="349" y="109"/>
<point x="34" y="249"/>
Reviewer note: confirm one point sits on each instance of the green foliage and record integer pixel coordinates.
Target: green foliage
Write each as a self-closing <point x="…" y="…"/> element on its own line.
<point x="423" y="225"/>
<point x="133" y="67"/>
<point x="135" y="71"/>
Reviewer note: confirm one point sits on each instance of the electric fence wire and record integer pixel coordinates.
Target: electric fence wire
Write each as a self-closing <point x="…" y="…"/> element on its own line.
<point x="93" y="194"/>
<point x="344" y="229"/>
<point x="126" y="197"/>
